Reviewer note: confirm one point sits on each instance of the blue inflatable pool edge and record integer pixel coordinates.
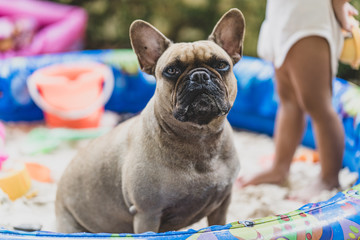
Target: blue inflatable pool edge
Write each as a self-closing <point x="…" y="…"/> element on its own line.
<point x="337" y="218"/>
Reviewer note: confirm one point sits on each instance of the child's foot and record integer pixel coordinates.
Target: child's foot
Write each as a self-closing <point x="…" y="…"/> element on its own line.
<point x="272" y="175"/>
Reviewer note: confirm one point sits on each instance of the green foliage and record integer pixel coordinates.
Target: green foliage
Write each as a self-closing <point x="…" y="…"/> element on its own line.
<point x="179" y="20"/>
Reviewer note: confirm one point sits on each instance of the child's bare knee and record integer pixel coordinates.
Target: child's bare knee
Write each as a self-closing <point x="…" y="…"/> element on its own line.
<point x="286" y="93"/>
<point x="317" y="109"/>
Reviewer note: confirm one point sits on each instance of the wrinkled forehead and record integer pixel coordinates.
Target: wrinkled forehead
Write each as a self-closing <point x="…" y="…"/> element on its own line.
<point x="193" y="52"/>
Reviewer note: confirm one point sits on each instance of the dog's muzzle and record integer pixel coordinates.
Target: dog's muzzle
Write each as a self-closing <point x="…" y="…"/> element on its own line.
<point x="200" y="97"/>
<point x="199" y="78"/>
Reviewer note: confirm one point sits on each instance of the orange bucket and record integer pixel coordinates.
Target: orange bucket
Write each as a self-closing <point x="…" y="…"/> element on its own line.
<point x="72" y="95"/>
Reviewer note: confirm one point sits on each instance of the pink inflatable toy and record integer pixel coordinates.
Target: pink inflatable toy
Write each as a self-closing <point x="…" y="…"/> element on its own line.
<point x="3" y="155"/>
<point x="36" y="27"/>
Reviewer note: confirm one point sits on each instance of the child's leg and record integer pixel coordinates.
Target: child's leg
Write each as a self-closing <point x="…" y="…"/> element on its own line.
<point x="289" y="126"/>
<point x="308" y="63"/>
<point x="305" y="75"/>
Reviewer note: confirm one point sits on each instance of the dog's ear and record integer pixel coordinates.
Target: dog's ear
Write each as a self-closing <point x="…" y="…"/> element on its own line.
<point x="148" y="44"/>
<point x="229" y="33"/>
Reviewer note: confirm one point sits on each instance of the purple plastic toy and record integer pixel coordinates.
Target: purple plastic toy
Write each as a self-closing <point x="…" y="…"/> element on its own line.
<point x="32" y="27"/>
<point x="3" y="155"/>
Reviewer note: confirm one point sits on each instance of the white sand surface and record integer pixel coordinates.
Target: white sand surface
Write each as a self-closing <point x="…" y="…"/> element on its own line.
<point x="37" y="206"/>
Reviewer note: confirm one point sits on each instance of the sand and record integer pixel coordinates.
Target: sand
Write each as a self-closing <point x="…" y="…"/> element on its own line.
<point x="37" y="206"/>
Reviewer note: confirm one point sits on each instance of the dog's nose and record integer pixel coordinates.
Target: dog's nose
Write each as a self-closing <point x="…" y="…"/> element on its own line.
<point x="200" y="77"/>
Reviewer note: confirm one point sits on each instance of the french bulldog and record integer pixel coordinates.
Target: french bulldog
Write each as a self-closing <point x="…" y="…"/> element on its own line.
<point x="175" y="162"/>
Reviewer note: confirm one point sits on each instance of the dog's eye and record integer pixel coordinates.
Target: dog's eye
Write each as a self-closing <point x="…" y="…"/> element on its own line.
<point x="222" y="66"/>
<point x="172" y="71"/>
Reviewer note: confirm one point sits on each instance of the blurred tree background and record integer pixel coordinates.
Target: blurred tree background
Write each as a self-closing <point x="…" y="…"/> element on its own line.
<point x="179" y="20"/>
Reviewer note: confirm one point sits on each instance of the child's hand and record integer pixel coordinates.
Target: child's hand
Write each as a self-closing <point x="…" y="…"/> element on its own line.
<point x="343" y="10"/>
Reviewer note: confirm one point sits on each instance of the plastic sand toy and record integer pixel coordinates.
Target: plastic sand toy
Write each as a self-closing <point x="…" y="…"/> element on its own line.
<point x="45" y="140"/>
<point x="30" y="27"/>
<point x="14" y="179"/>
<point x="72" y="95"/>
<point x="351" y="50"/>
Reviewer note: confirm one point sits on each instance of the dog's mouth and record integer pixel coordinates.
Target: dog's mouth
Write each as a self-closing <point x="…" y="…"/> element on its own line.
<point x="201" y="98"/>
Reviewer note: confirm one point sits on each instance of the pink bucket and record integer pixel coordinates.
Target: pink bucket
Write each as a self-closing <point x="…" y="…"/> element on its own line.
<point x="72" y="95"/>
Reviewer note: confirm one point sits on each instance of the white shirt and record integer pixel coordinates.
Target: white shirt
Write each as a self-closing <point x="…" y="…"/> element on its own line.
<point x="288" y="21"/>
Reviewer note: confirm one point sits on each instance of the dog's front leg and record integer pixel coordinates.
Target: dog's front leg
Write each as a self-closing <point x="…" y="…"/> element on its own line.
<point x="218" y="216"/>
<point x="147" y="221"/>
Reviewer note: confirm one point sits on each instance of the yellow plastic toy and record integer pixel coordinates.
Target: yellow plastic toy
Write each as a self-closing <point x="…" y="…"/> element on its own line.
<point x="15" y="182"/>
<point x="351" y="50"/>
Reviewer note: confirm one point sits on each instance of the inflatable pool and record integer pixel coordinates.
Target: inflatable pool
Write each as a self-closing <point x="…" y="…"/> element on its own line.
<point x="254" y="110"/>
<point x="337" y="218"/>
